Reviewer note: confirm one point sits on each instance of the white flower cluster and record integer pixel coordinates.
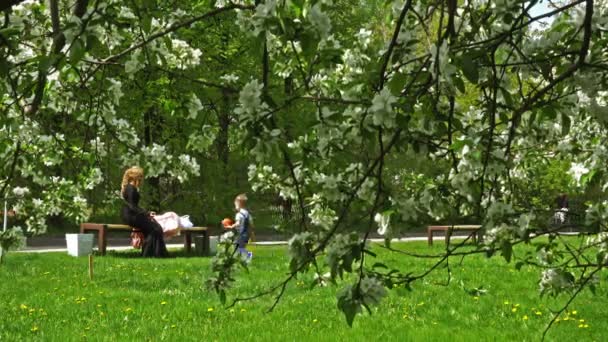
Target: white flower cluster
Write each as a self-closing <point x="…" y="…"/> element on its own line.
<point x="194" y="107"/>
<point x="382" y="109"/>
<point x="250" y="100"/>
<point x="577" y="171"/>
<point x="156" y="158"/>
<point x="321" y="215"/>
<point x="125" y="132"/>
<point x="383" y="220"/>
<point x="320" y="20"/>
<point x="199" y="142"/>
<point x="600" y="243"/>
<point x="20" y="191"/>
<point x="256" y="23"/>
<point x="94" y="178"/>
<point x="555" y="281"/>
<point x="184" y="168"/>
<point x="329" y="184"/>
<point x="407" y="208"/>
<point x="440" y="62"/>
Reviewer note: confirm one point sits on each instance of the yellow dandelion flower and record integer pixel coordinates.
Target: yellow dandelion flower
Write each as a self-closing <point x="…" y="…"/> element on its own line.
<point x="315" y="320"/>
<point x="476" y="298"/>
<point x="163" y="303"/>
<point x="574" y="312"/>
<point x="98" y="305"/>
<point x="581" y="325"/>
<point x="525" y="318"/>
<point x="514" y="310"/>
<point x="586" y="326"/>
<point x="32" y="310"/>
<point x="581" y="321"/>
<point x="23" y="306"/>
<point x="538" y="313"/>
<point x="209" y="309"/>
<point x="506" y="302"/>
<point x="566" y="318"/>
<point x="516" y="305"/>
<point x="35" y="328"/>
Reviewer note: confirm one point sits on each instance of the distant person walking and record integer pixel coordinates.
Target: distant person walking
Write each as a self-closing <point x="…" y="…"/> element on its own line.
<point x="561" y="208"/>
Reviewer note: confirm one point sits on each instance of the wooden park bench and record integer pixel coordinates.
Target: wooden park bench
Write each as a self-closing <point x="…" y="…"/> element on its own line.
<point x="449" y="230"/>
<point x="102" y="229"/>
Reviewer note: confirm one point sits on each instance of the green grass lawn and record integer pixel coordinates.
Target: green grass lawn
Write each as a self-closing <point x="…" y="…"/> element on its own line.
<point x="50" y="297"/>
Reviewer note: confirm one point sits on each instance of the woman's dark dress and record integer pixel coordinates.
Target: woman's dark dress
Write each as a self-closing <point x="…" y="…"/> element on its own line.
<point x="153" y="244"/>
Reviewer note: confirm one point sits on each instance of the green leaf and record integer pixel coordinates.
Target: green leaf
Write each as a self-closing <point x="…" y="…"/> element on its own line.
<point x="397" y="83"/>
<point x="146" y="23"/>
<point x="459" y="84"/>
<point x="546" y="69"/>
<point x="519" y="265"/>
<point x="4" y="67"/>
<point x="566" y="123"/>
<point x="379" y="265"/>
<point x="470" y="69"/>
<point x="77" y="51"/>
<point x="348" y="305"/>
<point x="369" y="253"/>
<point x="507" y="96"/>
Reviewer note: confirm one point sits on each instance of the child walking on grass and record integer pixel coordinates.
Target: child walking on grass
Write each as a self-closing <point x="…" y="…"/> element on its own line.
<point x="243" y="225"/>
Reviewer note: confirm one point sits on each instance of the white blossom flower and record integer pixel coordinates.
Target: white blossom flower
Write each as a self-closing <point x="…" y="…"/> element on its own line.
<point x="383" y="220"/>
<point x="20" y="191"/>
<point x="320" y="20"/>
<point x="382" y="109"/>
<point x="229" y="78"/>
<point x="577" y="171"/>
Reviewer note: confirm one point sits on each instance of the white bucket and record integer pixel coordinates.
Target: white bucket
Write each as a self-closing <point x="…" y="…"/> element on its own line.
<point x="213" y="240"/>
<point x="79" y="244"/>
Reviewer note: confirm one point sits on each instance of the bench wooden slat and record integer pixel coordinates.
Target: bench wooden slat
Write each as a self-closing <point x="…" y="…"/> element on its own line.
<point x="126" y="227"/>
<point x="474" y="229"/>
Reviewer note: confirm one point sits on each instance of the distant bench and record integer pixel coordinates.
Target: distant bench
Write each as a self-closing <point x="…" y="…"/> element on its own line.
<point x="449" y="230"/>
<point x="102" y="229"/>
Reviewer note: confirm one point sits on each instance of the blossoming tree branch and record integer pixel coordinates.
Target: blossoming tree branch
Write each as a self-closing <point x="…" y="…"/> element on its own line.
<point x="370" y="120"/>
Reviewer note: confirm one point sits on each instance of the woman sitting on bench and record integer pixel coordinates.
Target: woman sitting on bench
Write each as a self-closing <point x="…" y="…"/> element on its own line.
<point x="136" y="217"/>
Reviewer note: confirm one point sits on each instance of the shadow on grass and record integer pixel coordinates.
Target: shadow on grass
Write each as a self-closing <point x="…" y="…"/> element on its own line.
<point x="136" y="254"/>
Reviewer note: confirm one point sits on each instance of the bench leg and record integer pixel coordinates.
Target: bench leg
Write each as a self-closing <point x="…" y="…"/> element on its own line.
<point x="448" y="236"/>
<point x="206" y="247"/>
<point x="187" y="241"/>
<point x="430" y="237"/>
<point x="102" y="240"/>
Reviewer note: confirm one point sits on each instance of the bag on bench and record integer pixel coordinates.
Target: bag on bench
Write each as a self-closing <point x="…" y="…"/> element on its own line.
<point x="137" y="239"/>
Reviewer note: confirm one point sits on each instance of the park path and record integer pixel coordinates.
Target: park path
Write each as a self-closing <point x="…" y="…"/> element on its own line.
<point x="39" y="249"/>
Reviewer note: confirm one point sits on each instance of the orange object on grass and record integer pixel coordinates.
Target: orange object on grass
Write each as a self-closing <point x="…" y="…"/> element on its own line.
<point x="227" y="222"/>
